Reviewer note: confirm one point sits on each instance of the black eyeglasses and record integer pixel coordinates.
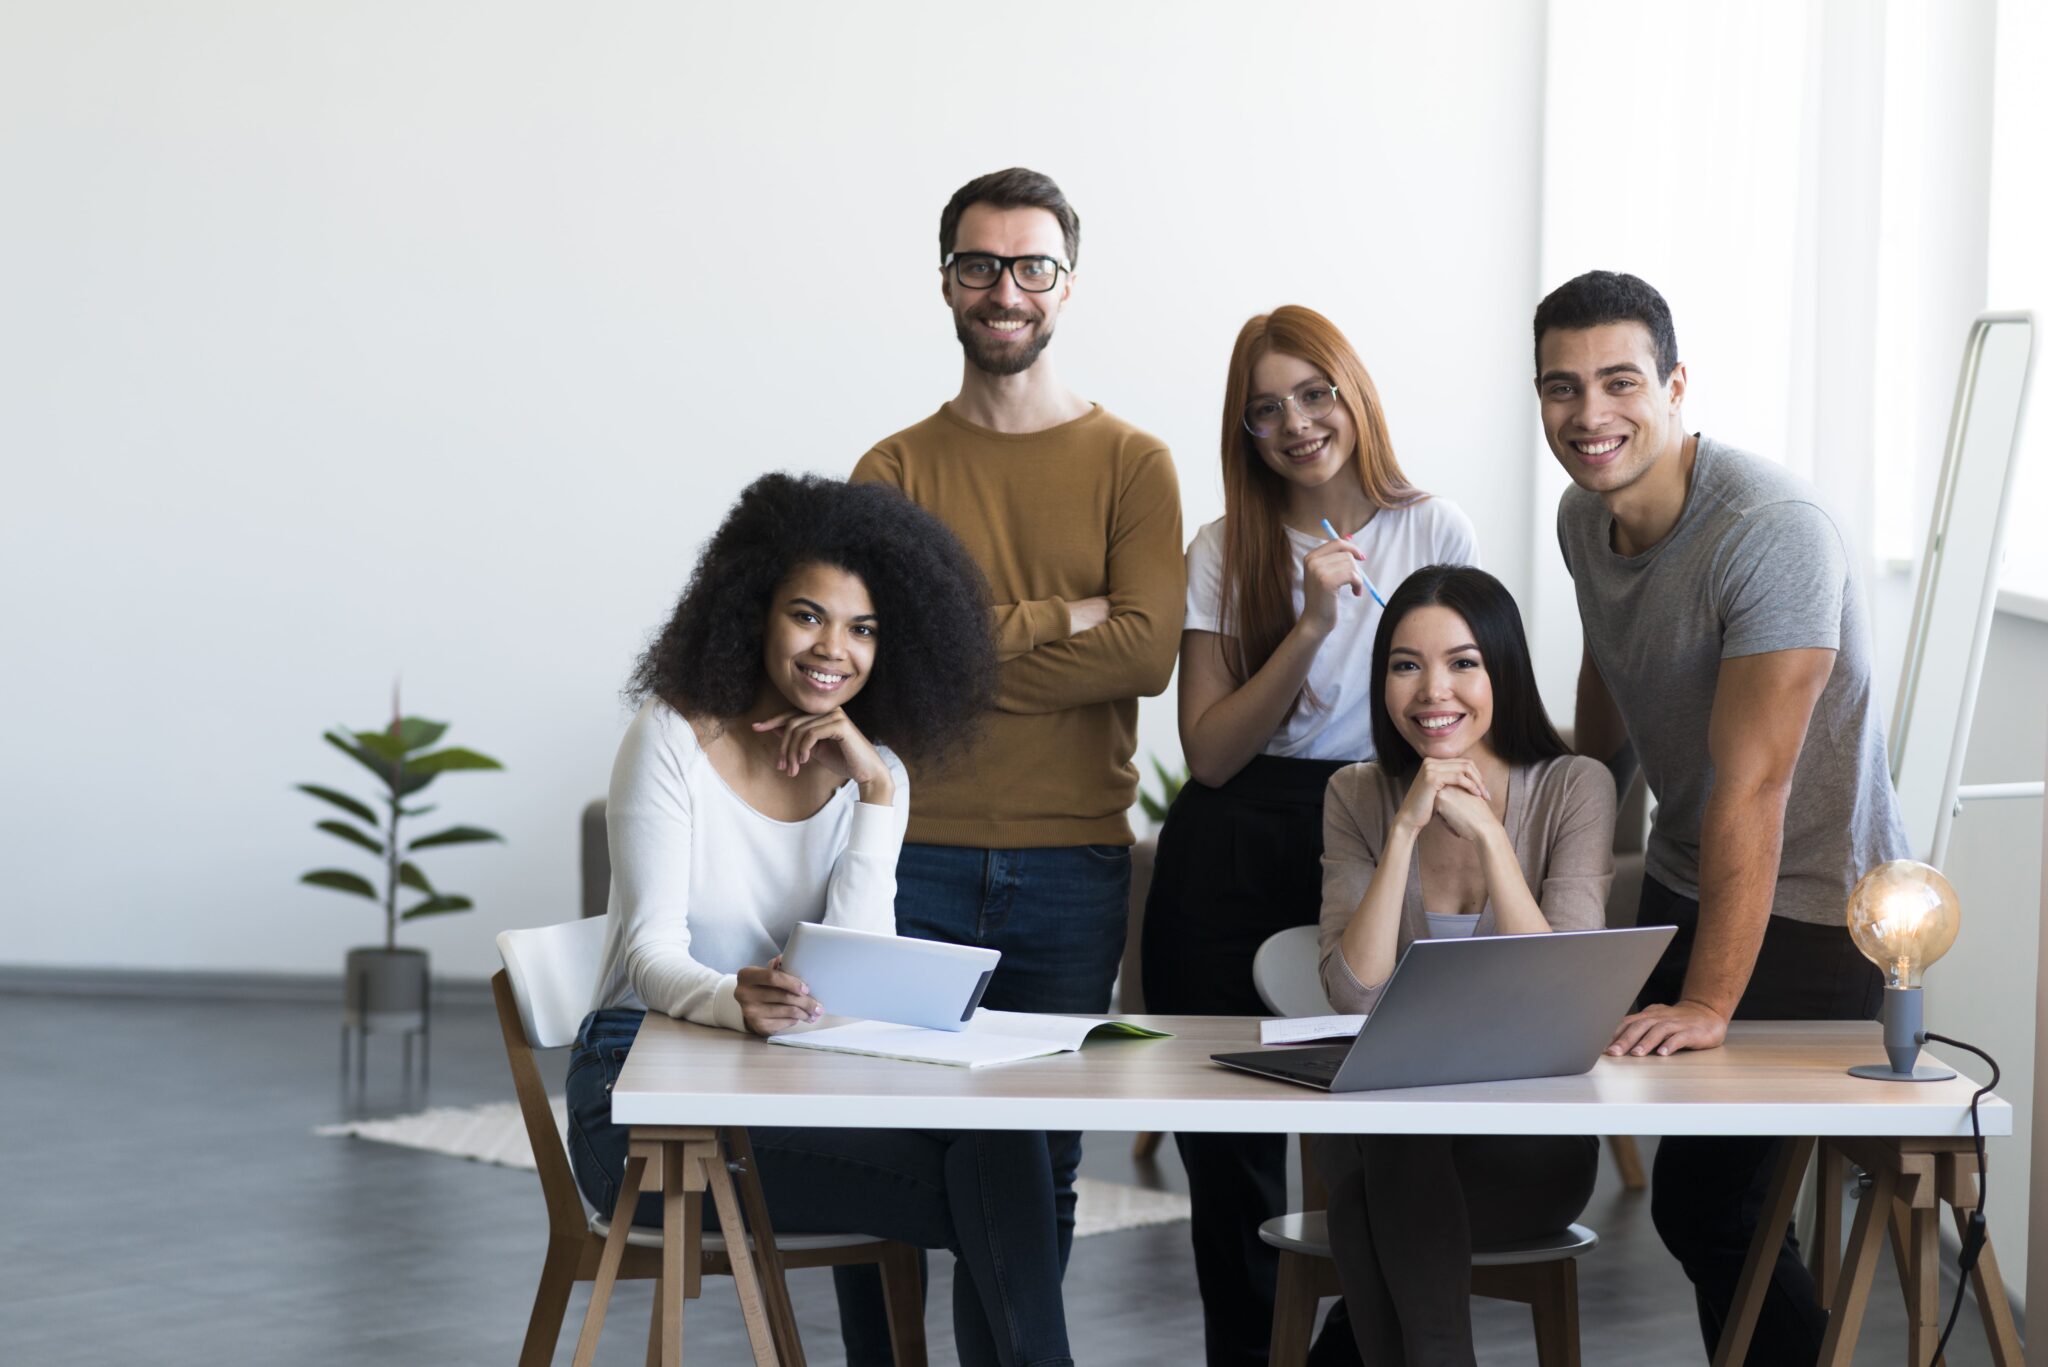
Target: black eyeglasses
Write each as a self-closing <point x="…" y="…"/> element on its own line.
<point x="1314" y="400"/>
<point x="982" y="271"/>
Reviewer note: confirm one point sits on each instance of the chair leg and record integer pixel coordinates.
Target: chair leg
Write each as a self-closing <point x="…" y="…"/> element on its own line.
<point x="1145" y="1147"/>
<point x="1294" y="1311"/>
<point x="903" y="1294"/>
<point x="608" y="1265"/>
<point x="1555" y="1309"/>
<point x="550" y="1303"/>
<point x="1628" y="1161"/>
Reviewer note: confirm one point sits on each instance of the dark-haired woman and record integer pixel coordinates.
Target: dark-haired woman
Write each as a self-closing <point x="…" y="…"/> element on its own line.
<point x="1474" y="820"/>
<point x="753" y="791"/>
<point x="1272" y="702"/>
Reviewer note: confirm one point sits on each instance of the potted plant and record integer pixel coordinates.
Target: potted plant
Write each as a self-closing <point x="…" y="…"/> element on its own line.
<point x="385" y="987"/>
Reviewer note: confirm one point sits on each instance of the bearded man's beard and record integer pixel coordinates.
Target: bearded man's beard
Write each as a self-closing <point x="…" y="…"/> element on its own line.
<point x="994" y="359"/>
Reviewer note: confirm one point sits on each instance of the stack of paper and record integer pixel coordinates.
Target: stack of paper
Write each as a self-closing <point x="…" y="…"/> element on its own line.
<point x="1309" y="1029"/>
<point x="991" y="1037"/>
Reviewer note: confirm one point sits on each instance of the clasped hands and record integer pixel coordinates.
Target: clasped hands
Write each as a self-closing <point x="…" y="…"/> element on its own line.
<point x="1453" y="790"/>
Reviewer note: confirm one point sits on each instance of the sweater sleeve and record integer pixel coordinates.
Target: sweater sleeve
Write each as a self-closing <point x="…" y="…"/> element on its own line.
<point x="1131" y="655"/>
<point x="1354" y="833"/>
<point x="861" y="894"/>
<point x="1579" y="866"/>
<point x="649" y="830"/>
<point x="1021" y="628"/>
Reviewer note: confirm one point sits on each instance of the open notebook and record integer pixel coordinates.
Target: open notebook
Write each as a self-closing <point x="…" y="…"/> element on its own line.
<point x="991" y="1037"/>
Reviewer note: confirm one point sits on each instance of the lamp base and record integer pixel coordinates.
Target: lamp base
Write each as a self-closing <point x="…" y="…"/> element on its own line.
<point x="1882" y="1072"/>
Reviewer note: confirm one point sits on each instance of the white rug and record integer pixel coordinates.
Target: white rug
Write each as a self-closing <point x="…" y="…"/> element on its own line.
<point x="495" y="1133"/>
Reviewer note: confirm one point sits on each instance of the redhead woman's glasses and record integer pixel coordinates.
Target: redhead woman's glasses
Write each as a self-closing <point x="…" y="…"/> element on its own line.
<point x="1264" y="415"/>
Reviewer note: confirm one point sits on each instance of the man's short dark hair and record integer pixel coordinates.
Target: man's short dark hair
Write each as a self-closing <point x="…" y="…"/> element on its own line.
<point x="1015" y="188"/>
<point x="1598" y="298"/>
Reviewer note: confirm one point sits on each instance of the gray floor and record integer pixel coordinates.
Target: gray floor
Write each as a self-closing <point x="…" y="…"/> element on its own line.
<point x="163" y="1200"/>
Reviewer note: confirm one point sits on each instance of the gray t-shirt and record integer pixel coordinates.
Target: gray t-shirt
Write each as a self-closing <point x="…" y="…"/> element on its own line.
<point x="1755" y="564"/>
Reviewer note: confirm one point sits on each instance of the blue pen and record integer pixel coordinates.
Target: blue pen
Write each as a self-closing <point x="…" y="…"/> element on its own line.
<point x="1332" y="531"/>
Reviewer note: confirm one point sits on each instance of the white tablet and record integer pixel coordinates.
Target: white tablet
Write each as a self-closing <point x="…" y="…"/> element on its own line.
<point x="889" y="977"/>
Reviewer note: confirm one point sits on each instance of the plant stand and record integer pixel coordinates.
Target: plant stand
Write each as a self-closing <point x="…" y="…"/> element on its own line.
<point x="384" y="990"/>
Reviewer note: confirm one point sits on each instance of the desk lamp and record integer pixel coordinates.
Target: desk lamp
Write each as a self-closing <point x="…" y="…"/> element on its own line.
<point x="1903" y="916"/>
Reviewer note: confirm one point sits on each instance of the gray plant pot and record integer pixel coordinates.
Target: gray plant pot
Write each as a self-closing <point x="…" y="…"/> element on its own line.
<point x="385" y="989"/>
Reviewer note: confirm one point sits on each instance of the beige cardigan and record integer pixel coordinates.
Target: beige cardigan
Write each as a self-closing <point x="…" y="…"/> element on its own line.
<point x="1560" y="820"/>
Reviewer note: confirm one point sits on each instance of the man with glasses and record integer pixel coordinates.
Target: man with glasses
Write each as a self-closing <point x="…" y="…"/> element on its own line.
<point x="1023" y="843"/>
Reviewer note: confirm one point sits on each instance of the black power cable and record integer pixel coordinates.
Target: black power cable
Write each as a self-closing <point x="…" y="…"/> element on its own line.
<point x="1974" y="1235"/>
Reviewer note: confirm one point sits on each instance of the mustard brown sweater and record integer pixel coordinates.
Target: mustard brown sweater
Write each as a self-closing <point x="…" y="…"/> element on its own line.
<point x="1088" y="509"/>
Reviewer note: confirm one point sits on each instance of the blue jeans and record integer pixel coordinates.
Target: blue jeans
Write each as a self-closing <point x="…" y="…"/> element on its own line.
<point x="986" y="1196"/>
<point x="1058" y="916"/>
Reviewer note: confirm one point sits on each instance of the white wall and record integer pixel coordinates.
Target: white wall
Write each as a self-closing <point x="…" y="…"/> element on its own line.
<point x="345" y="340"/>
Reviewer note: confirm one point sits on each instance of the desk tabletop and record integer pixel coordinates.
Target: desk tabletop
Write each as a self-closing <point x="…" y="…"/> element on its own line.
<point x="1771" y="1077"/>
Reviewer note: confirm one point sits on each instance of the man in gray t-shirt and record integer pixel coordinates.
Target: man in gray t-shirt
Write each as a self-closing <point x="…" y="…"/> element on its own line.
<point x="1726" y="648"/>
<point x="1753" y="566"/>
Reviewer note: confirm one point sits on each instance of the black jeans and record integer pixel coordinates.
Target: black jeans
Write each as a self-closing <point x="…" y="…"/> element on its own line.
<point x="1236" y="864"/>
<point x="1406" y="1211"/>
<point x="1707" y="1193"/>
<point x="987" y="1196"/>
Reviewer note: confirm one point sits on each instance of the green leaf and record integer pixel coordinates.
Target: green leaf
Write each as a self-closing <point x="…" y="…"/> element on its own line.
<point x="382" y="744"/>
<point x="1153" y="811"/>
<point x="436" y="906"/>
<point x="352" y="835"/>
<point x="341" y="880"/>
<point x="417" y="733"/>
<point x="409" y="874"/>
<point x="416" y="811"/>
<point x="340" y="741"/>
<point x="413" y="782"/>
<point x="455" y="835"/>
<point x="341" y="800"/>
<point x="455" y="757"/>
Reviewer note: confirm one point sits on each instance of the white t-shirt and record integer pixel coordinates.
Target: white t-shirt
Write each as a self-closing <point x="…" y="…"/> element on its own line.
<point x="1397" y="542"/>
<point x="703" y="885"/>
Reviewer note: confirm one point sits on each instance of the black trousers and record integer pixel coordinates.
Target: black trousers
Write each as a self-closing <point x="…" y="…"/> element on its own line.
<point x="1707" y="1194"/>
<point x="1406" y="1211"/>
<point x="1235" y="864"/>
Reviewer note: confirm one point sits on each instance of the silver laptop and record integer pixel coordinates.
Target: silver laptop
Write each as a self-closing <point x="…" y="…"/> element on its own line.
<point x="1482" y="1010"/>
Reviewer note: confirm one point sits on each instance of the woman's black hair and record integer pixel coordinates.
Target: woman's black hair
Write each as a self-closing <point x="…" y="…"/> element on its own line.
<point x="935" y="667"/>
<point x="1521" y="732"/>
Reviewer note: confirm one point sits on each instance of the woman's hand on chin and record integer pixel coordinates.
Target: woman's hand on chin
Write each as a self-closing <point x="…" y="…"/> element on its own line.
<point x="835" y="742"/>
<point x="772" y="1001"/>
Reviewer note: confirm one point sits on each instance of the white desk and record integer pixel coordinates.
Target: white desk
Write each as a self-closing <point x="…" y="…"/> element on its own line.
<point x="1771" y="1079"/>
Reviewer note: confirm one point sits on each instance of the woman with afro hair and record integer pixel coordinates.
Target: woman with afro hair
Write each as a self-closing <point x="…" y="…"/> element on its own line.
<point x="828" y="628"/>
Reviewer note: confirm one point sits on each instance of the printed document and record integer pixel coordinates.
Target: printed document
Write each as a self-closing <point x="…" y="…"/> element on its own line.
<point x="991" y="1037"/>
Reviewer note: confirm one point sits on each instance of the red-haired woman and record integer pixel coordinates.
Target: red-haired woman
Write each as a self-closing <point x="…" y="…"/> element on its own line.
<point x="1275" y="680"/>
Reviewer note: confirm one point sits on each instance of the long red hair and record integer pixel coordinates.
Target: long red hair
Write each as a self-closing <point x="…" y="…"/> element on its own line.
<point x="1258" y="567"/>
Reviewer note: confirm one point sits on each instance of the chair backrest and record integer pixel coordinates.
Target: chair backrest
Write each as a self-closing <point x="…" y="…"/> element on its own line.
<point x="1286" y="973"/>
<point x="553" y="972"/>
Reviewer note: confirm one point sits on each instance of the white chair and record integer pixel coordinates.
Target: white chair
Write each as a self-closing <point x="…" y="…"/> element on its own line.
<point x="1285" y="972"/>
<point x="1539" y="1273"/>
<point x="542" y="995"/>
